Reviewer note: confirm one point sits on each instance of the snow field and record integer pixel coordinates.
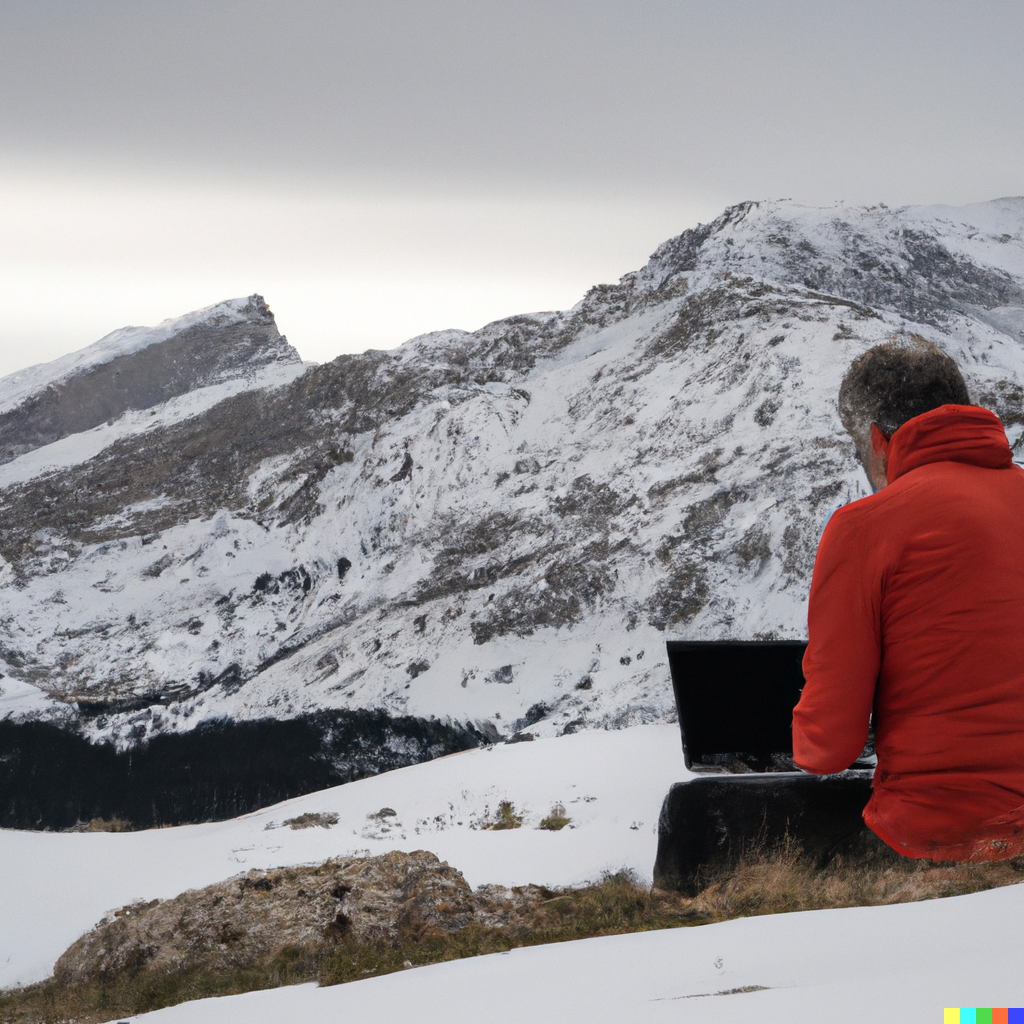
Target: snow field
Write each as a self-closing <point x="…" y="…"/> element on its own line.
<point x="56" y="886"/>
<point x="898" y="963"/>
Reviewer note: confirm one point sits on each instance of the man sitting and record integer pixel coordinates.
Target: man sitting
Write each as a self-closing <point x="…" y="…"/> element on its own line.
<point x="917" y="614"/>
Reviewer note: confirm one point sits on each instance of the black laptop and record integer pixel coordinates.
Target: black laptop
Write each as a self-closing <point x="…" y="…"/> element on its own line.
<point x="735" y="701"/>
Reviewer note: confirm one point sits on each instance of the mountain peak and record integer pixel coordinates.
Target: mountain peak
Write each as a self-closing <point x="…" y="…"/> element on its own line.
<point x="136" y="368"/>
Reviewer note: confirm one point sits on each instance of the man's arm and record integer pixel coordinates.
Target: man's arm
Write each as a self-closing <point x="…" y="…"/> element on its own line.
<point x="830" y="724"/>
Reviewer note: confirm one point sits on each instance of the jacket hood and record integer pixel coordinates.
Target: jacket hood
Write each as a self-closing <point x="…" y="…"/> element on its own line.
<point x="951" y="433"/>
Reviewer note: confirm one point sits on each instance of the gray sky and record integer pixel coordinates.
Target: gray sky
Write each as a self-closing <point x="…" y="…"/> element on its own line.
<point x="381" y="168"/>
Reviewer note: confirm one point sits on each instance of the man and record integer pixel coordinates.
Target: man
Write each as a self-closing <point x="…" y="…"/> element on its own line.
<point x="916" y="617"/>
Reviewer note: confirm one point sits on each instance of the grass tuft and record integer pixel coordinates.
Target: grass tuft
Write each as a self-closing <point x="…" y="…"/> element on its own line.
<point x="114" y="824"/>
<point x="505" y="817"/>
<point x="556" y="820"/>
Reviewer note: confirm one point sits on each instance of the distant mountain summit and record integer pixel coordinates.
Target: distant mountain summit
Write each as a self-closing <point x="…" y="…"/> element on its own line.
<point x="499" y="527"/>
<point x="136" y="368"/>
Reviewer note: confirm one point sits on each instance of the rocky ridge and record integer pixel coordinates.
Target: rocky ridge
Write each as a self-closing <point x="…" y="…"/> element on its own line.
<point x="503" y="526"/>
<point x="137" y="368"/>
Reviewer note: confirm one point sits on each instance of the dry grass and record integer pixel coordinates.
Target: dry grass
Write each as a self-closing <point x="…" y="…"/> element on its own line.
<point x="115" y="998"/>
<point x="110" y="825"/>
<point x="114" y="824"/>
<point x="767" y="884"/>
<point x="504" y="817"/>
<point x="556" y="820"/>
<point x="783" y="882"/>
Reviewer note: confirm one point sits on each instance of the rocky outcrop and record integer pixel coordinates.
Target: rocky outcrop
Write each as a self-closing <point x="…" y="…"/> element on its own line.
<point x="245" y="921"/>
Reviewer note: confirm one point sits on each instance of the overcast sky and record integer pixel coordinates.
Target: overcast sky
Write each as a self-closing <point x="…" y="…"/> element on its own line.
<point x="382" y="168"/>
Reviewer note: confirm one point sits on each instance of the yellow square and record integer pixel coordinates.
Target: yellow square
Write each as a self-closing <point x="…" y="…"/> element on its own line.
<point x="951" y="1015"/>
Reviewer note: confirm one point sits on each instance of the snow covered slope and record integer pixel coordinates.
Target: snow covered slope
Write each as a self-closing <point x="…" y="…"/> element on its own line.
<point x="900" y="963"/>
<point x="500" y="527"/>
<point x="836" y="965"/>
<point x="74" y="449"/>
<point x="56" y="886"/>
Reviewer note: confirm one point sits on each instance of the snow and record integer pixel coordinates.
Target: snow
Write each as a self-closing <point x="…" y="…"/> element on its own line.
<point x="20" y="700"/>
<point x="991" y="233"/>
<point x="22" y="384"/>
<point x="56" y="886"/>
<point x="903" y="962"/>
<point x="837" y="965"/>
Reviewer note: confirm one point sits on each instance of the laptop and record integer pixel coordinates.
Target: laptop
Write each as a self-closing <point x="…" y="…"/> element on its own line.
<point x="735" y="700"/>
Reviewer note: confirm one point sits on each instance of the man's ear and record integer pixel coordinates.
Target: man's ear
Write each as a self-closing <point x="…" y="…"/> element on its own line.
<point x="879" y="442"/>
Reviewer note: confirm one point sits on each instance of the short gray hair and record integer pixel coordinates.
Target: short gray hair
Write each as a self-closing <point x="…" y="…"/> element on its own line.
<point x="894" y="382"/>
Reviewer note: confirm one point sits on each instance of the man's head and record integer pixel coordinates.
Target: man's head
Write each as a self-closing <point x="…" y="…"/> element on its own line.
<point x="890" y="384"/>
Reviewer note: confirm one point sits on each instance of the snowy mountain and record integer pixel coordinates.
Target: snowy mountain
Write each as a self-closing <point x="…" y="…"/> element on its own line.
<point x="137" y="368"/>
<point x="499" y="527"/>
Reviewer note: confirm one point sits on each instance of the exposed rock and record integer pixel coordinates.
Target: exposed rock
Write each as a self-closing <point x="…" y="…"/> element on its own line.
<point x="246" y="920"/>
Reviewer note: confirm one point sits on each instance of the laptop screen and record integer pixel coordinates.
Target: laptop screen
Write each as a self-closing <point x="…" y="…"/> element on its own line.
<point x="735" y="701"/>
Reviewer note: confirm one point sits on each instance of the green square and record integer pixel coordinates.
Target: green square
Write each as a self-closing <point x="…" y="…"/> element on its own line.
<point x="983" y="1015"/>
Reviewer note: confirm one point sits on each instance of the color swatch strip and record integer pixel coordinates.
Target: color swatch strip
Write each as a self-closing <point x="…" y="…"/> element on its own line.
<point x="983" y="1015"/>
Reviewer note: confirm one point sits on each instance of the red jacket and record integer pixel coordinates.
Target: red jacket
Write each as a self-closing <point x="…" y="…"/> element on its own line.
<point x="917" y="614"/>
